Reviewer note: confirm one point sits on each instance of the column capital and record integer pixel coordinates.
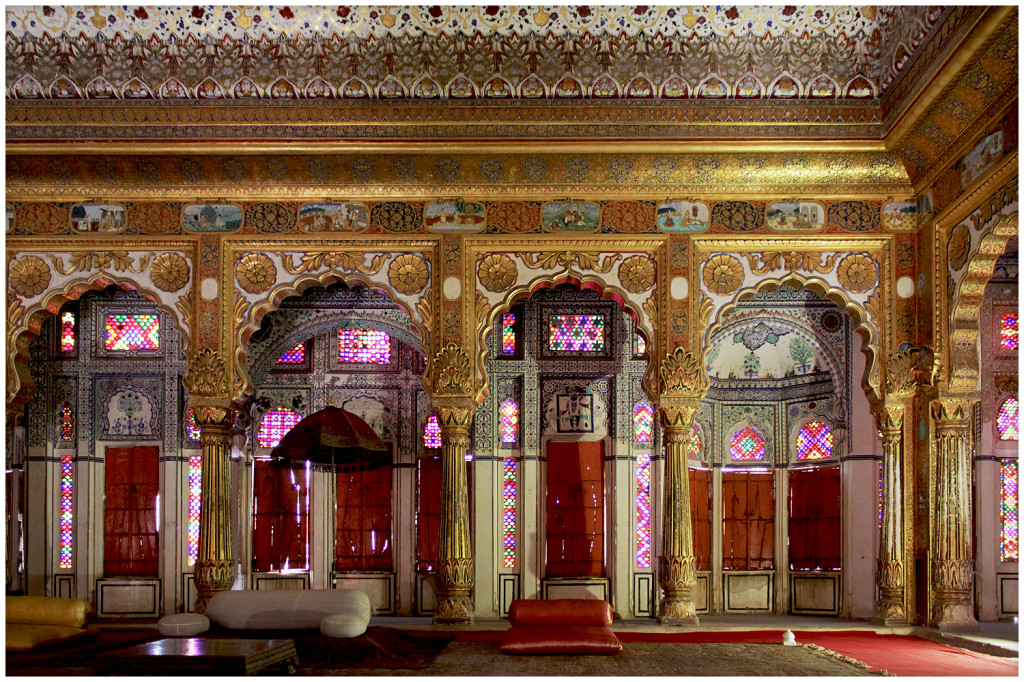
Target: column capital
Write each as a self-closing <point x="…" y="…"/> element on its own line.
<point x="207" y="375"/>
<point x="952" y="410"/>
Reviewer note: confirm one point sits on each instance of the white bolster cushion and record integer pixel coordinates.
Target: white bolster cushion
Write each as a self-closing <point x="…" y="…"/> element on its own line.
<point x="343" y="625"/>
<point x="284" y="609"/>
<point x="183" y="625"/>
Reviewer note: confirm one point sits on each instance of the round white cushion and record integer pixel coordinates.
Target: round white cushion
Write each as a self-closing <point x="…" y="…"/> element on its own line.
<point x="343" y="625"/>
<point x="183" y="625"/>
<point x="284" y="609"/>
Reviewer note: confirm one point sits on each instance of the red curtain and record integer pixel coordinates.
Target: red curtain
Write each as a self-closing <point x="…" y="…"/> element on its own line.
<point x="575" y="510"/>
<point x="748" y="520"/>
<point x="132" y="483"/>
<point x="814" y="533"/>
<point x="700" y="514"/>
<point x="280" y="536"/>
<point x="428" y="512"/>
<point x="362" y="540"/>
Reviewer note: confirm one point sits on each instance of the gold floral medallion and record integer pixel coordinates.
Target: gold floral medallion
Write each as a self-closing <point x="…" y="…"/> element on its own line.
<point x="29" y="276"/>
<point x="958" y="248"/>
<point x="858" y="273"/>
<point x="408" y="273"/>
<point x="637" y="274"/>
<point x="169" y="271"/>
<point x="497" y="272"/>
<point x="723" y="274"/>
<point x="256" y="273"/>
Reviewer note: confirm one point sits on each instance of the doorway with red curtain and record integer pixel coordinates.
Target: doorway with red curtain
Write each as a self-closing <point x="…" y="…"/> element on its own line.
<point x="131" y="487"/>
<point x="575" y="509"/>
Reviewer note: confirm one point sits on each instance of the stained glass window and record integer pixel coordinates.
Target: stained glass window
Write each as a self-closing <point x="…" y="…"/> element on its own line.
<point x="67" y="484"/>
<point x="132" y="332"/>
<point x="747" y="445"/>
<point x="364" y="346"/>
<point x="643" y="422"/>
<point x="295" y="356"/>
<point x="432" y="433"/>
<point x="508" y="516"/>
<point x="66" y="420"/>
<point x="643" y="511"/>
<point x="1007" y="420"/>
<point x="509" y="421"/>
<point x="641" y="345"/>
<point x="67" y="332"/>
<point x="695" y="448"/>
<point x="195" y="490"/>
<point x="508" y="333"/>
<point x="576" y="332"/>
<point x="881" y="492"/>
<point x="1009" y="546"/>
<point x="814" y="441"/>
<point x="275" y="424"/>
<point x="191" y="427"/>
<point x="1008" y="332"/>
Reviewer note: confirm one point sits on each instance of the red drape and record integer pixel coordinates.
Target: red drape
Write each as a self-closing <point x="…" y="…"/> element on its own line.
<point x="575" y="509"/>
<point x="280" y="537"/>
<point x="814" y="533"/>
<point x="362" y="540"/>
<point x="748" y="520"/>
<point x="700" y="513"/>
<point x="428" y="512"/>
<point x="132" y="483"/>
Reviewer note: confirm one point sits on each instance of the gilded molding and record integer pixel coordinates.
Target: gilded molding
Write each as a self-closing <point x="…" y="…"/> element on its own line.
<point x="333" y="260"/>
<point x="682" y="374"/>
<point x="547" y="260"/>
<point x="451" y="372"/>
<point x="207" y="375"/>
<point x="762" y="263"/>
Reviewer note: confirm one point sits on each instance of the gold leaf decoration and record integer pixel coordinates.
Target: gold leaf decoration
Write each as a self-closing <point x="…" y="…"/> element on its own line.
<point x="858" y="273"/>
<point x="408" y="273"/>
<point x="682" y="374"/>
<point x="704" y="310"/>
<point x="723" y="274"/>
<point x="256" y="273"/>
<point x="241" y="305"/>
<point x="651" y="308"/>
<point x="497" y="272"/>
<point x="959" y="246"/>
<point x="207" y="375"/>
<point x="451" y="371"/>
<point x="333" y="259"/>
<point x="637" y="274"/>
<point x="874" y="307"/>
<point x="482" y="308"/>
<point x="425" y="308"/>
<point x="761" y="263"/>
<point x="899" y="377"/>
<point x="169" y="271"/>
<point x="567" y="259"/>
<point x="29" y="276"/>
<point x="186" y="307"/>
<point x="15" y="313"/>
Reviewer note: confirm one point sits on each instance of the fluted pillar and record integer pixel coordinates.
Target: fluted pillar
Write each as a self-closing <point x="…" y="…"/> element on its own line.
<point x="214" y="568"/>
<point x="676" y="562"/>
<point x="891" y="606"/>
<point x="454" y="554"/>
<point x="952" y="556"/>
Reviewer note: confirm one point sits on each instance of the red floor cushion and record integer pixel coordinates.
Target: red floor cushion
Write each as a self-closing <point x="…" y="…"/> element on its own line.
<point x="560" y="639"/>
<point x="585" y="612"/>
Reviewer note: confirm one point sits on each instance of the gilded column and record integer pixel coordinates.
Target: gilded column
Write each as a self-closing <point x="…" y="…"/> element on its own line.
<point x="454" y="553"/>
<point x="891" y="607"/>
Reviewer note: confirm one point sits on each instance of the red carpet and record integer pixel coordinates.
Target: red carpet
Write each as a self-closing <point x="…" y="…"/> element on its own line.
<point x="901" y="655"/>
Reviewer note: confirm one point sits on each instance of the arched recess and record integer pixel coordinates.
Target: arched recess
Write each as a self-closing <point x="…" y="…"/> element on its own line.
<point x="24" y="325"/>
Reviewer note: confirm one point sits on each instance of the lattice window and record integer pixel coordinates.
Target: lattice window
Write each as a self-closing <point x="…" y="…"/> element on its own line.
<point x="432" y="433"/>
<point x="814" y="441"/>
<point x="1009" y="549"/>
<point x="643" y="511"/>
<point x="295" y="356"/>
<point x="508" y="513"/>
<point x="695" y="448"/>
<point x="1008" y="331"/>
<point x="641" y="345"/>
<point x="643" y="422"/>
<point x="67" y="489"/>
<point x="367" y="346"/>
<point x="129" y="331"/>
<point x="509" y="421"/>
<point x="508" y="333"/>
<point x="1007" y="421"/>
<point x="195" y="490"/>
<point x="191" y="427"/>
<point x="275" y="424"/>
<point x="65" y="423"/>
<point x="67" y="332"/>
<point x="747" y="445"/>
<point x="576" y="333"/>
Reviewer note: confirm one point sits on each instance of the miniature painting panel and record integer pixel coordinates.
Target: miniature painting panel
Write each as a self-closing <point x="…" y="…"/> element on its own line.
<point x="683" y="216"/>
<point x="900" y="216"/>
<point x="795" y="215"/>
<point x="333" y="218"/>
<point x="212" y="217"/>
<point x="97" y="218"/>
<point x="575" y="413"/>
<point x="986" y="153"/>
<point x="455" y="216"/>
<point x="559" y="217"/>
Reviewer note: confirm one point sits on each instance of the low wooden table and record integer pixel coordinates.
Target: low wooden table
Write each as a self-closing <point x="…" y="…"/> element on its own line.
<point x="199" y="656"/>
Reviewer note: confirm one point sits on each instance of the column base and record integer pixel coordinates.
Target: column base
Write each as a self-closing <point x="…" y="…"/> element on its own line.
<point x="956" y="616"/>
<point x="677" y="612"/>
<point x="211" y="577"/>
<point x="453" y="611"/>
<point x="890" y="613"/>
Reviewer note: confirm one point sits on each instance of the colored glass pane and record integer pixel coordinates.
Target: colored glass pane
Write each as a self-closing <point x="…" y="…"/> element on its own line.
<point x="195" y="489"/>
<point x="191" y="427"/>
<point x="695" y="448"/>
<point x="1008" y="332"/>
<point x="66" y="420"/>
<point x="747" y="445"/>
<point x="1007" y="421"/>
<point x="132" y="332"/>
<point x="275" y="424"/>
<point x="643" y="422"/>
<point x="1009" y="549"/>
<point x="67" y="332"/>
<point x="67" y="484"/>
<point x="432" y="433"/>
<point x="576" y="332"/>
<point x="641" y="345"/>
<point x="508" y="333"/>
<point x="509" y="421"/>
<point x="643" y="511"/>
<point x="814" y="441"/>
<point x="295" y="356"/>
<point x="881" y="491"/>
<point x="508" y="515"/>
<point x="364" y="346"/>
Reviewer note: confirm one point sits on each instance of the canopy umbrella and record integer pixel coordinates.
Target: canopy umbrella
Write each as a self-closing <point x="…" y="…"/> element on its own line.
<point x="332" y="440"/>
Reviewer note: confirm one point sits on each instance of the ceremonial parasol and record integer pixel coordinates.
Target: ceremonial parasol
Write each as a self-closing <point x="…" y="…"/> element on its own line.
<point x="332" y="440"/>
